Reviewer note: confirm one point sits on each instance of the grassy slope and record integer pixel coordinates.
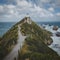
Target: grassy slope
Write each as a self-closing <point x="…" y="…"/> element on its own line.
<point x="34" y="44"/>
<point x="8" y="40"/>
<point x="34" y="47"/>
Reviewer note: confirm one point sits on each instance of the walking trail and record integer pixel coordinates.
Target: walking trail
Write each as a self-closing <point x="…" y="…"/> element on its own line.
<point x="14" y="53"/>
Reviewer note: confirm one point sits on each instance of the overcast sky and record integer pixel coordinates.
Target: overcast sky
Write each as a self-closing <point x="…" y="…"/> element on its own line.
<point x="39" y="10"/>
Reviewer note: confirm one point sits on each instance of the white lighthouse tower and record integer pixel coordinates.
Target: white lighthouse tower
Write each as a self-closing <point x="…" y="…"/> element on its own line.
<point x="28" y="20"/>
<point x="27" y="15"/>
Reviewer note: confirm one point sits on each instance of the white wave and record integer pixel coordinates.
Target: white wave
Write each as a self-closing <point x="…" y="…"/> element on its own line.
<point x="56" y="40"/>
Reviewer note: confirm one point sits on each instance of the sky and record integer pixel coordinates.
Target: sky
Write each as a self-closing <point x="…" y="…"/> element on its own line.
<point x="38" y="10"/>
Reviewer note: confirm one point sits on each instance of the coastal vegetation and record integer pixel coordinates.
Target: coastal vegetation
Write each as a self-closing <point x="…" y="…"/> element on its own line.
<point x="35" y="46"/>
<point x="8" y="41"/>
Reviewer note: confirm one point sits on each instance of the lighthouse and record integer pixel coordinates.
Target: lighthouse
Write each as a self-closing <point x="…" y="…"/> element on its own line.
<point x="27" y="15"/>
<point x="28" y="20"/>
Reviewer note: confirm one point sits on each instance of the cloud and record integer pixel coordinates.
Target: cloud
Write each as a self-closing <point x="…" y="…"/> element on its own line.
<point x="58" y="14"/>
<point x="11" y="12"/>
<point x="6" y="9"/>
<point x="45" y="1"/>
<point x="42" y="12"/>
<point x="56" y="4"/>
<point x="51" y="9"/>
<point x="1" y="9"/>
<point x="50" y="3"/>
<point x="23" y="3"/>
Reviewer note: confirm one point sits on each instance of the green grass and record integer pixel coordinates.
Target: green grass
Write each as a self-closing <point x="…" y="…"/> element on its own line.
<point x="34" y="47"/>
<point x="8" y="40"/>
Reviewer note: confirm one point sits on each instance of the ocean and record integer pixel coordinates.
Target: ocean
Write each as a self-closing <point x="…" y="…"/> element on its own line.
<point x="50" y="23"/>
<point x="5" y="26"/>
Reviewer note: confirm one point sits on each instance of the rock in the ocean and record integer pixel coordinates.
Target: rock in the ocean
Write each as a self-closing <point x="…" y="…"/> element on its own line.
<point x="55" y="28"/>
<point x="58" y="34"/>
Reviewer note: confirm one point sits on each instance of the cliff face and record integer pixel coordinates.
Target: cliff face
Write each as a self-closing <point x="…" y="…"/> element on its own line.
<point x="30" y="28"/>
<point x="35" y="44"/>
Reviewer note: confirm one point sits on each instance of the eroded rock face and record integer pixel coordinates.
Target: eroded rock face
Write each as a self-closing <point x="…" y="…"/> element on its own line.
<point x="48" y="42"/>
<point x="55" y="28"/>
<point x="27" y="20"/>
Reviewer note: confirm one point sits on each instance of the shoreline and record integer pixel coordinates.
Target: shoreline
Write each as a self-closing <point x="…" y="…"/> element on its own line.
<point x="56" y="40"/>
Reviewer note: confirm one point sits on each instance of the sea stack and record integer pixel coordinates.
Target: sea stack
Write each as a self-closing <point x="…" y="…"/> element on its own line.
<point x="55" y="28"/>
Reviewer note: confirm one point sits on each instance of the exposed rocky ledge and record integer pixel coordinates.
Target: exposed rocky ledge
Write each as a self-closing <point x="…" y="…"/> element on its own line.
<point x="55" y="28"/>
<point x="58" y="34"/>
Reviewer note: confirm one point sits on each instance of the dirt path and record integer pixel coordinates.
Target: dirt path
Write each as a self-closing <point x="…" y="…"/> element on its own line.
<point x="14" y="53"/>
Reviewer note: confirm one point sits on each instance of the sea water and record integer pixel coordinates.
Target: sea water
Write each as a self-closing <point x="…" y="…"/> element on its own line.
<point x="5" y="26"/>
<point x="50" y="23"/>
<point x="56" y="40"/>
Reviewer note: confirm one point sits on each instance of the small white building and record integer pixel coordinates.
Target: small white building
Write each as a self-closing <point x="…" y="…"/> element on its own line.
<point x="28" y="20"/>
